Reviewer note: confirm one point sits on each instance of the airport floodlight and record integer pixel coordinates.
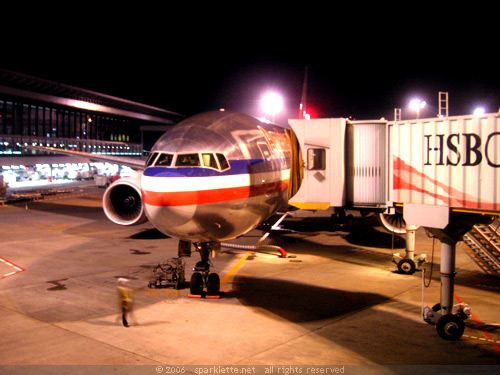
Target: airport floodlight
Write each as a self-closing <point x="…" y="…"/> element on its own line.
<point x="478" y="112"/>
<point x="417" y="105"/>
<point x="272" y="103"/>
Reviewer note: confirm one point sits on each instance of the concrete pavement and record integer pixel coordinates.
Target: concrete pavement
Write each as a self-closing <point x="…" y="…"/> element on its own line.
<point x="338" y="302"/>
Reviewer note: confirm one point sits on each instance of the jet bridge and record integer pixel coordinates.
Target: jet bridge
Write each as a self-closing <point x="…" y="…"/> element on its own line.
<point x="443" y="174"/>
<point x="345" y="164"/>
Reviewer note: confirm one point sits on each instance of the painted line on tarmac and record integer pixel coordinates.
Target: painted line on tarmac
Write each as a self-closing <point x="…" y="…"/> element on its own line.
<point x="10" y="264"/>
<point x="479" y="324"/>
<point x="233" y="270"/>
<point x="482" y="339"/>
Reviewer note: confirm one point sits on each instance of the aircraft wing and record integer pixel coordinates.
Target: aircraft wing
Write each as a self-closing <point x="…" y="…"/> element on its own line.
<point x="136" y="163"/>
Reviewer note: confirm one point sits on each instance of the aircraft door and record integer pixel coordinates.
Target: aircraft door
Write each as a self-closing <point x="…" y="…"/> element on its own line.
<point x="296" y="164"/>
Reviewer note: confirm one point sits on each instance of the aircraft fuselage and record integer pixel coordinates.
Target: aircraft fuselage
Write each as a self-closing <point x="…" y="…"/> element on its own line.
<point x="215" y="176"/>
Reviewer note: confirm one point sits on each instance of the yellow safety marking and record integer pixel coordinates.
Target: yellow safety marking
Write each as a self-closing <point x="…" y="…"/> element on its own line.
<point x="310" y="206"/>
<point x="472" y="211"/>
<point x="235" y="268"/>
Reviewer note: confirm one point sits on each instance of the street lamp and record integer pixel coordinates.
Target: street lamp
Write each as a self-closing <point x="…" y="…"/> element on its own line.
<point x="272" y="104"/>
<point x="417" y="105"/>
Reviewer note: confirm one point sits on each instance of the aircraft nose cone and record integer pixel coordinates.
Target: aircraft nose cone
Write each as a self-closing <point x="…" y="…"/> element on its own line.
<point x="169" y="200"/>
<point x="176" y="216"/>
<point x="166" y="209"/>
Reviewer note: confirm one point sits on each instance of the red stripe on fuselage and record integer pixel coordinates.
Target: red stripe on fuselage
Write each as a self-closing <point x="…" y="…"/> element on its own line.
<point x="187" y="198"/>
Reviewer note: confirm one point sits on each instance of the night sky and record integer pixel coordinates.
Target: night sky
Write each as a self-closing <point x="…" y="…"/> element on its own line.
<point x="362" y="62"/>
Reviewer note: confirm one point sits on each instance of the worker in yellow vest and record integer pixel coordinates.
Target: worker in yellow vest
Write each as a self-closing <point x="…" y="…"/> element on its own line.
<point x="124" y="299"/>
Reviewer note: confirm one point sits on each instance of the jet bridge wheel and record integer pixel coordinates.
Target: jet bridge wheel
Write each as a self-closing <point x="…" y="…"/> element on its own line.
<point x="406" y="266"/>
<point x="450" y="327"/>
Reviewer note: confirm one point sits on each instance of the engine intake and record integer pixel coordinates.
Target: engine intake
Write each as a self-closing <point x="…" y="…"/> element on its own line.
<point x="122" y="202"/>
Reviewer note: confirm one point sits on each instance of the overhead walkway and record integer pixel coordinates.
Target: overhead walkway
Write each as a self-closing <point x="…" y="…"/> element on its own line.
<point x="482" y="243"/>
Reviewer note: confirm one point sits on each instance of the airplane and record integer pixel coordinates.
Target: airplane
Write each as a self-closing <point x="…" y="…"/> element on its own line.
<point x="211" y="178"/>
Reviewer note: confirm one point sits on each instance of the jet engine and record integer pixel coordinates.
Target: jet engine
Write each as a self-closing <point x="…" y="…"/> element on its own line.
<point x="122" y="201"/>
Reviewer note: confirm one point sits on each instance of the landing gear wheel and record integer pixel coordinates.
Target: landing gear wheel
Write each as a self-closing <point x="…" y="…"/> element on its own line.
<point x="406" y="266"/>
<point x="213" y="285"/>
<point x="196" y="284"/>
<point x="450" y="327"/>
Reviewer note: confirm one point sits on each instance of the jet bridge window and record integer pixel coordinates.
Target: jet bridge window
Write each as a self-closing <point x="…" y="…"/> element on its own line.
<point x="188" y="160"/>
<point x="316" y="159"/>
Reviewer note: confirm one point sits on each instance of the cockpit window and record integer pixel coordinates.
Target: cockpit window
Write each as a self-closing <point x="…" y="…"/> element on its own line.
<point x="188" y="160"/>
<point x="209" y="160"/>
<point x="222" y="162"/>
<point x="206" y="159"/>
<point x="151" y="159"/>
<point x="164" y="160"/>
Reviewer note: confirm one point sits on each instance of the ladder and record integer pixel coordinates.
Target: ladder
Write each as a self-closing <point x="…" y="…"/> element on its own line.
<point x="482" y="243"/>
<point x="443" y="104"/>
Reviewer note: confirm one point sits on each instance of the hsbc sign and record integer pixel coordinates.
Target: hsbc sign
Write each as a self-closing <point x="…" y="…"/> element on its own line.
<point x="464" y="149"/>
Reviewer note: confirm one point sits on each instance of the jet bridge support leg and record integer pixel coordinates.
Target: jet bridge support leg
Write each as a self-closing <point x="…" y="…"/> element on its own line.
<point x="448" y="254"/>
<point x="449" y="318"/>
<point x="409" y="263"/>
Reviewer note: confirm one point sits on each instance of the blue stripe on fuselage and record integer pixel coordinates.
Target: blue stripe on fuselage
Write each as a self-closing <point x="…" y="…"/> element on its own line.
<point x="236" y="167"/>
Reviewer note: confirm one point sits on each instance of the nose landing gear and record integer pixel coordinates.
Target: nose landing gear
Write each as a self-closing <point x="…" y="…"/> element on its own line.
<point x="202" y="279"/>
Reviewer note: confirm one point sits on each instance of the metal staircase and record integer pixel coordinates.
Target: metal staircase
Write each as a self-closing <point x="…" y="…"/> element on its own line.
<point x="482" y="243"/>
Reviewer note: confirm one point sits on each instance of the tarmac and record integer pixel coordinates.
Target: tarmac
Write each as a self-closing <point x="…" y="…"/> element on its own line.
<point x="336" y="302"/>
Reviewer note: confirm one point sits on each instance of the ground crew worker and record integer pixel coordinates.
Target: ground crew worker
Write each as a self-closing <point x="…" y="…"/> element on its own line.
<point x="124" y="299"/>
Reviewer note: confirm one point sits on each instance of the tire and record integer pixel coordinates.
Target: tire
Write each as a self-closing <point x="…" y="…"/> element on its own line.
<point x="213" y="284"/>
<point x="406" y="266"/>
<point x="450" y="327"/>
<point x="196" y="284"/>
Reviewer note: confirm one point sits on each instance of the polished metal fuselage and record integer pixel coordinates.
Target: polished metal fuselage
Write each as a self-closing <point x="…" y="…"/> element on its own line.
<point x="201" y="204"/>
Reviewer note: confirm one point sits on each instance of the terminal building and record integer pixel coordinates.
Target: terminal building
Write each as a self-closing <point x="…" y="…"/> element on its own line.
<point x="39" y="112"/>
